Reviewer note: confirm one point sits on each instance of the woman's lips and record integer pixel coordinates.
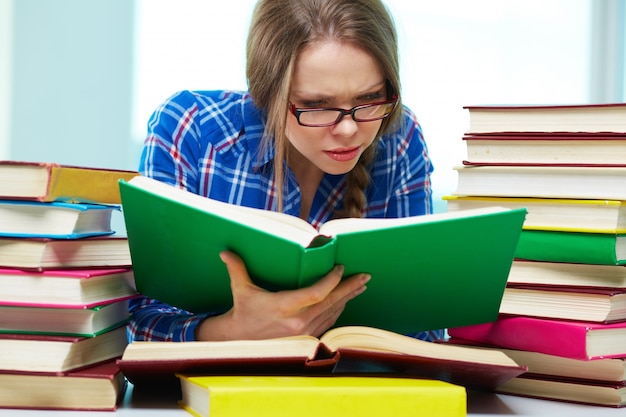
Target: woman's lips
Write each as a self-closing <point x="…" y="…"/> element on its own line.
<point x="344" y="154"/>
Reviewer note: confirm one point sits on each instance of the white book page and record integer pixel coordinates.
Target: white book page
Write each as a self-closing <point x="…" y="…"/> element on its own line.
<point x="283" y="225"/>
<point x="290" y="227"/>
<point x="350" y="225"/>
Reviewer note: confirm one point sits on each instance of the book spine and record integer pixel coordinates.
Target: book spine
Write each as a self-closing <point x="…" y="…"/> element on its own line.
<point x="572" y="247"/>
<point x="543" y="336"/>
<point x="316" y="262"/>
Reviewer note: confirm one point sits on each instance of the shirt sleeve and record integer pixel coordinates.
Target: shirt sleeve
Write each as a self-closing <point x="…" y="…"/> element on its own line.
<point x="170" y="146"/>
<point x="171" y="149"/>
<point x="430" y="335"/>
<point x="152" y="320"/>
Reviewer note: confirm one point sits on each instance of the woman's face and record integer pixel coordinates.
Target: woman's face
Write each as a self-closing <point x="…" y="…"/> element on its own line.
<point x="340" y="75"/>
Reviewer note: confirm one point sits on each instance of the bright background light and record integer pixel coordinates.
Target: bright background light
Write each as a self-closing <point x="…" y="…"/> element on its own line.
<point x="453" y="53"/>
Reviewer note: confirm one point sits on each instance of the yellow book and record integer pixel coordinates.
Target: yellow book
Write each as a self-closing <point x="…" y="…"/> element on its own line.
<point x="558" y="214"/>
<point x="48" y="181"/>
<point x="315" y="396"/>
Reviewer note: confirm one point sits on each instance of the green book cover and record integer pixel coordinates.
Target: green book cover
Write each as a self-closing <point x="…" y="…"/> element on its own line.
<point x="573" y="247"/>
<point x="428" y="272"/>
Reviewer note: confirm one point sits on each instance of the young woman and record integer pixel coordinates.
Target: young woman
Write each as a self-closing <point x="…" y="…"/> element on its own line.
<point x="322" y="133"/>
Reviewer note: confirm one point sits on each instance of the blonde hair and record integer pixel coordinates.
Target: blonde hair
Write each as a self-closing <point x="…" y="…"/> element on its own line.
<point x="279" y="31"/>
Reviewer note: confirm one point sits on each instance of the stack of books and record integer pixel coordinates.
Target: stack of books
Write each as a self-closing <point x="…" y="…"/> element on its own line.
<point x="167" y="232"/>
<point x="65" y="281"/>
<point x="563" y="312"/>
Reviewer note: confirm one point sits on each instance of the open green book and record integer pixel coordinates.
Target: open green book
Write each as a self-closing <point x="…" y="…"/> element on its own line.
<point x="428" y="272"/>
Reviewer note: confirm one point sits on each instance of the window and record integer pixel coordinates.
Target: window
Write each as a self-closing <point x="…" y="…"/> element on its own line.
<point x="453" y="53"/>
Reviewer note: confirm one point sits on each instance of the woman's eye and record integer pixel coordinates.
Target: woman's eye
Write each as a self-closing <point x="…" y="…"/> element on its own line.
<point x="371" y="98"/>
<point x="313" y="104"/>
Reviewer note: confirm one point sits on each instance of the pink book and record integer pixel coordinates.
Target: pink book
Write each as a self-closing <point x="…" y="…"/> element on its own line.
<point x="72" y="288"/>
<point x="66" y="273"/>
<point x="569" y="339"/>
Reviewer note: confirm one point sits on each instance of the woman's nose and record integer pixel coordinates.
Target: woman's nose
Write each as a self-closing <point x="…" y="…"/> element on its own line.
<point x="346" y="126"/>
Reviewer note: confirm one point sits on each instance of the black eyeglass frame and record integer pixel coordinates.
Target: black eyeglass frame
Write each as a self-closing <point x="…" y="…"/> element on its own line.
<point x="343" y="112"/>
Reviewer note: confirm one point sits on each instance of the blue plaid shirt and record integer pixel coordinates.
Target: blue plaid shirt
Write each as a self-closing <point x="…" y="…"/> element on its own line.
<point x="209" y="142"/>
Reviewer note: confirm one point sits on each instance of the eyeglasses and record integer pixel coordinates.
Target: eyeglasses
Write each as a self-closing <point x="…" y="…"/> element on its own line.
<point x="326" y="116"/>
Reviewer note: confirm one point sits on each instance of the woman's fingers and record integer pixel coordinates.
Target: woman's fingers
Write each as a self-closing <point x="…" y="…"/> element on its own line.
<point x="236" y="269"/>
<point x="327" y="312"/>
<point x="258" y="313"/>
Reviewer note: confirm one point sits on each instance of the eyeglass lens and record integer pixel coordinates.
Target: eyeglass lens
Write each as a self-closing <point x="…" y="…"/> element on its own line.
<point x="362" y="114"/>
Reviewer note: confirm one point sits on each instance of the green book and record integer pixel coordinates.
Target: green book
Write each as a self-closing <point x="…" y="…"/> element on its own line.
<point x="428" y="272"/>
<point x="66" y="321"/>
<point x="572" y="247"/>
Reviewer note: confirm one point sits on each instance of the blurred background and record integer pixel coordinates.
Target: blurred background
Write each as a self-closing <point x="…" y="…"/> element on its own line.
<point x="80" y="78"/>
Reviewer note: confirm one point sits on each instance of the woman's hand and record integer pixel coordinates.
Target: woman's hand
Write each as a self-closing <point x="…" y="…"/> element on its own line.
<point x="261" y="314"/>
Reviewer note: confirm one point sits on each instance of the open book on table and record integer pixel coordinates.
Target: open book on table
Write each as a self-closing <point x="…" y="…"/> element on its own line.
<point x="349" y="350"/>
<point x="428" y="272"/>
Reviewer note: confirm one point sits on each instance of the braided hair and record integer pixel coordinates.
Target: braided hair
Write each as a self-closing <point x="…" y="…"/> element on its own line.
<point x="279" y="31"/>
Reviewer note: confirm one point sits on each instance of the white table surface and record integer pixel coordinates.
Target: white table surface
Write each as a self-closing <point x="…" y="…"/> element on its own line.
<point x="163" y="403"/>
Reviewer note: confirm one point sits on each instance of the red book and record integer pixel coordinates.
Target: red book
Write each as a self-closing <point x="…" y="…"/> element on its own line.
<point x="546" y="148"/>
<point x="97" y="388"/>
<point x="570" y="339"/>
<point x="341" y="351"/>
<point x="567" y="390"/>
<point x="558" y="118"/>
